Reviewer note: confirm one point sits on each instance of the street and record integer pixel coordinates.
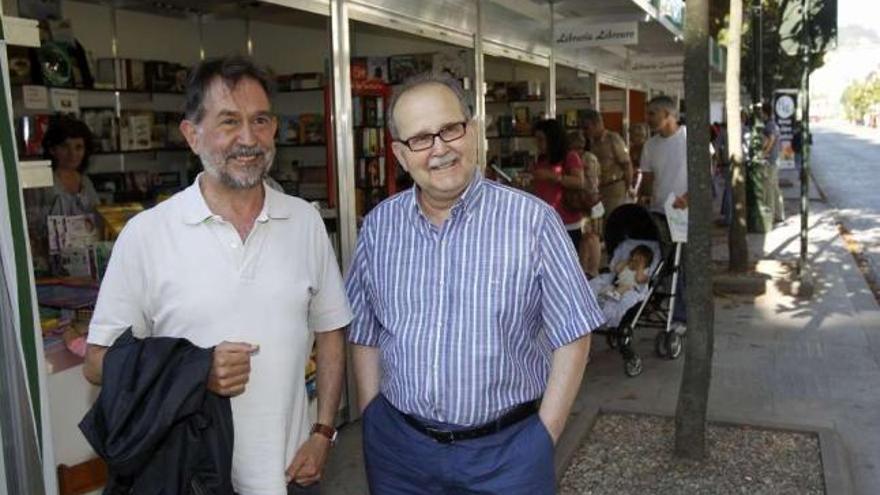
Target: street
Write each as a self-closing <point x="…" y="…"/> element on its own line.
<point x="845" y="166"/>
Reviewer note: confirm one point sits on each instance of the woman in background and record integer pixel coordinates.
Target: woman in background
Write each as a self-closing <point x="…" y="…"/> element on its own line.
<point x="590" y="249"/>
<point x="68" y="144"/>
<point x="556" y="168"/>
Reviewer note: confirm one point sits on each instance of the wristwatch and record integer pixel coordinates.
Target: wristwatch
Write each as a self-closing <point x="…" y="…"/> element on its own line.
<point x="327" y="431"/>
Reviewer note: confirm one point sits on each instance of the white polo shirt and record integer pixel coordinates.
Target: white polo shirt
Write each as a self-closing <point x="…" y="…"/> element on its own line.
<point x="178" y="270"/>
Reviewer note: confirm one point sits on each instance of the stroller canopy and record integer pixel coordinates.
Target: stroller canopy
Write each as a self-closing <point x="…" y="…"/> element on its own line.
<point x="629" y="221"/>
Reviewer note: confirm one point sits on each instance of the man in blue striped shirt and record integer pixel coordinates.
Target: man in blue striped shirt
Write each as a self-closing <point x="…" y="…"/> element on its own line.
<point x="471" y="314"/>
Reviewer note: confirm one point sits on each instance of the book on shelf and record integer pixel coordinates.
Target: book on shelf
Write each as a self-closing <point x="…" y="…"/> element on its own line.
<point x="30" y="132"/>
<point x="357" y="111"/>
<point x="300" y="81"/>
<point x="380" y="111"/>
<point x="136" y="130"/>
<point x="522" y="121"/>
<point x="358" y="69"/>
<point x="371" y="143"/>
<point x="311" y="128"/>
<point x="288" y="129"/>
<point x="370" y="111"/>
<point x="505" y="125"/>
<point x="402" y="67"/>
<point x="496" y="92"/>
<point x="571" y="118"/>
<point x="377" y="68"/>
<point x="105" y="131"/>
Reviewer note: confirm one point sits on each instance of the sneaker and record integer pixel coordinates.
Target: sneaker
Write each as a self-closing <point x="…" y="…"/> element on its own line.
<point x="679" y="327"/>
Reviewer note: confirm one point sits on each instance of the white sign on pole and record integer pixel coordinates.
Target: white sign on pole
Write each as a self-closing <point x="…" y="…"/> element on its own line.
<point x="784" y="112"/>
<point x="577" y="33"/>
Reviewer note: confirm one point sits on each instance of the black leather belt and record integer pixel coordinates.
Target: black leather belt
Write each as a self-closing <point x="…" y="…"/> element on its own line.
<point x="515" y="415"/>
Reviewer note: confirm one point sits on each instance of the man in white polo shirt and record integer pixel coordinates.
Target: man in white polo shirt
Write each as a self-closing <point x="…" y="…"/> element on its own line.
<point x="234" y="264"/>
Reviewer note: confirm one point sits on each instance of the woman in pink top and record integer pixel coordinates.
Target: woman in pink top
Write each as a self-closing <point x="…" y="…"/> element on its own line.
<point x="555" y="169"/>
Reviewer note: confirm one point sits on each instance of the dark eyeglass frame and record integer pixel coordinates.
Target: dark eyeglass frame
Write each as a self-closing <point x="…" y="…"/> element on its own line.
<point x="434" y="136"/>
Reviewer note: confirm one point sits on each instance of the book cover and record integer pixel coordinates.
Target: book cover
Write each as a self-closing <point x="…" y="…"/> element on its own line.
<point x="358" y="69"/>
<point x="377" y="68"/>
<point x="102" y="123"/>
<point x="373" y="172"/>
<point x="288" y="129"/>
<point x="311" y="128"/>
<point x="357" y="111"/>
<point x="402" y="67"/>
<point x="522" y="121"/>
<point x="174" y="138"/>
<point x="380" y="111"/>
<point x="33" y="128"/>
<point x="135" y="130"/>
<point x="370" y="111"/>
<point x="137" y="79"/>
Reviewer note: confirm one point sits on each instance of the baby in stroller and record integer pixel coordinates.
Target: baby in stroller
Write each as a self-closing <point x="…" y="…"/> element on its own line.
<point x="630" y="272"/>
<point x="634" y="261"/>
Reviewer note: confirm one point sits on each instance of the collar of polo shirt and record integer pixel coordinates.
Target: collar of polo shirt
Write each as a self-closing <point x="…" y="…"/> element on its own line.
<point x="196" y="208"/>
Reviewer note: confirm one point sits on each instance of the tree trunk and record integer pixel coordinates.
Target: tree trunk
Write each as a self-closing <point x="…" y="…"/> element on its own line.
<point x="737" y="247"/>
<point x="690" y="416"/>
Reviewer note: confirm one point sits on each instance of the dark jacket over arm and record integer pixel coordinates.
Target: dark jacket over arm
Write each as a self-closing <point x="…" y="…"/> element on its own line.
<point x="156" y="424"/>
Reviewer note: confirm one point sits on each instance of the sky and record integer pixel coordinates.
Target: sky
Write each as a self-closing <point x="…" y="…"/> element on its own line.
<point x="857" y="54"/>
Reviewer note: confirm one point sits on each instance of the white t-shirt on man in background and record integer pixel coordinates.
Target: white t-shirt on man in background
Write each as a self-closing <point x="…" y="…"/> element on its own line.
<point x="666" y="159"/>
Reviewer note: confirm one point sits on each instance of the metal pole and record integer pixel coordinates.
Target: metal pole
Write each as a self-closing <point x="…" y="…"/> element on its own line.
<point x="758" y="47"/>
<point x="551" y="89"/>
<point x="343" y="131"/>
<point x="803" y="267"/>
<point x="480" y="88"/>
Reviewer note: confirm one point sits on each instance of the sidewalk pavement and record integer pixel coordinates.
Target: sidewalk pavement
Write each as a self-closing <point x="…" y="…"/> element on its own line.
<point x="802" y="364"/>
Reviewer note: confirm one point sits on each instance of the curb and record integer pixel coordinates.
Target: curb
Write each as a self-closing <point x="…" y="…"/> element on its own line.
<point x="835" y="463"/>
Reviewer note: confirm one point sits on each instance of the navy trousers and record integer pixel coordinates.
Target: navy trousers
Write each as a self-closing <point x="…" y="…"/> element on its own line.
<point x="401" y="460"/>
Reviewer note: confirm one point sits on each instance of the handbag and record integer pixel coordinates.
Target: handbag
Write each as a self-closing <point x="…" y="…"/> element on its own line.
<point x="579" y="199"/>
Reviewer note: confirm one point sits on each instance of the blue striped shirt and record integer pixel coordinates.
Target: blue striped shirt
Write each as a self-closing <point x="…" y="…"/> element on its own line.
<point x="467" y="315"/>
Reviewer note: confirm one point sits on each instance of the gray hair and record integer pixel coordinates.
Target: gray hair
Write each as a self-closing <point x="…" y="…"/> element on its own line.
<point x="664" y="102"/>
<point x="423" y="79"/>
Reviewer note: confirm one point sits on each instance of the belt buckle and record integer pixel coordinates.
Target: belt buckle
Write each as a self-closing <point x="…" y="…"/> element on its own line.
<point x="441" y="436"/>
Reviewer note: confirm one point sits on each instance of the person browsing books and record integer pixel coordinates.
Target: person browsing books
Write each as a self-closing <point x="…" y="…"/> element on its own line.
<point x="68" y="145"/>
<point x="471" y="316"/>
<point x="232" y="264"/>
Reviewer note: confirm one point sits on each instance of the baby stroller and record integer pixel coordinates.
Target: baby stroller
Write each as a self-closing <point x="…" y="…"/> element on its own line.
<point x="650" y="305"/>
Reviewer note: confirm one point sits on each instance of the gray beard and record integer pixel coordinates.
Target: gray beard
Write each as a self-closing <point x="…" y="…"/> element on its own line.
<point x="220" y="173"/>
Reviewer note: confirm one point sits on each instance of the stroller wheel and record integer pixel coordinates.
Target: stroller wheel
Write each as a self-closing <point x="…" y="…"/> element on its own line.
<point x="673" y="344"/>
<point x="660" y="344"/>
<point x="633" y="366"/>
<point x="611" y="339"/>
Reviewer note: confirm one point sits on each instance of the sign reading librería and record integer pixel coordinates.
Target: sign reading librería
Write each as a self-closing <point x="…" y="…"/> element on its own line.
<point x="576" y="33"/>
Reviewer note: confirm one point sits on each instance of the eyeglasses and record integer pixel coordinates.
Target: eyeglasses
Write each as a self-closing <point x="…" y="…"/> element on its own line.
<point x="448" y="134"/>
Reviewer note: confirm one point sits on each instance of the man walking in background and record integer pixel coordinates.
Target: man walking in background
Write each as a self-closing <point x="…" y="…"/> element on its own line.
<point x="664" y="171"/>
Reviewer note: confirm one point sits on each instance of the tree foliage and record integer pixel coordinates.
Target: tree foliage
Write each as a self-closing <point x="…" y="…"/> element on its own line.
<point x="784" y="35"/>
<point x="860" y="97"/>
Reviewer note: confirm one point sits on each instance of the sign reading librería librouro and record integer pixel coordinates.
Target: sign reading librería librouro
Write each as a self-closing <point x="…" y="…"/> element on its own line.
<point x="576" y="33"/>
